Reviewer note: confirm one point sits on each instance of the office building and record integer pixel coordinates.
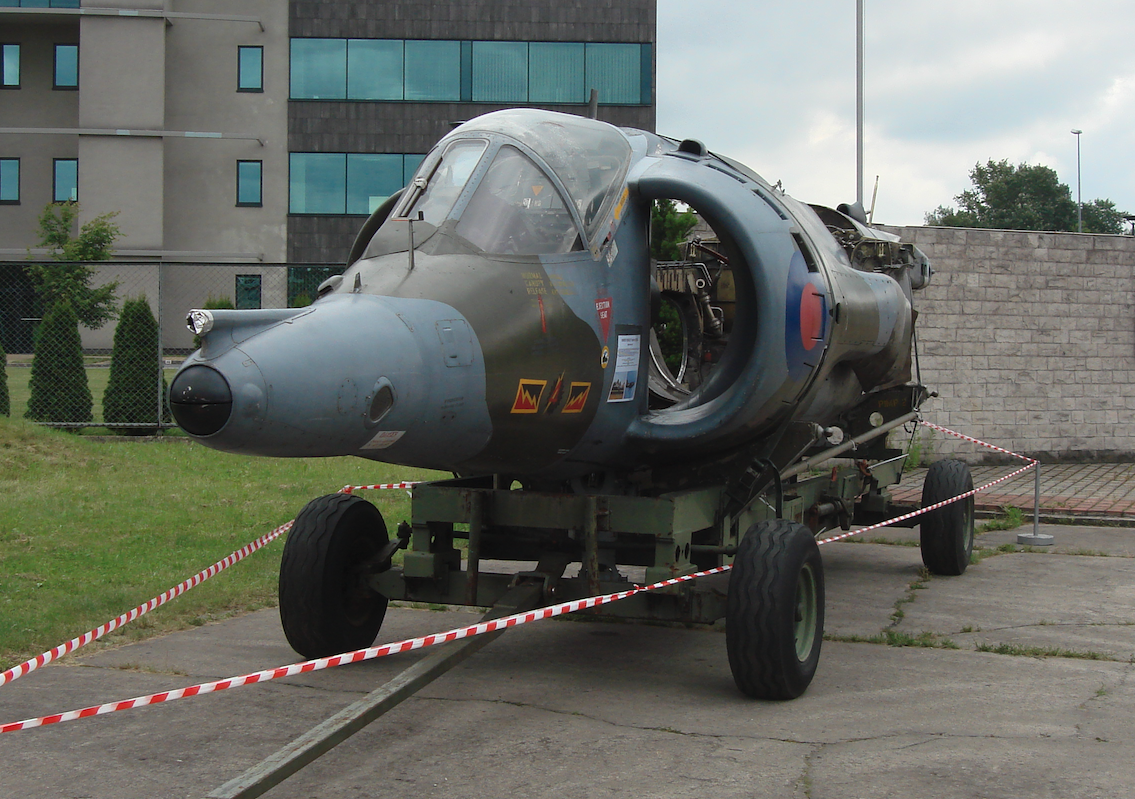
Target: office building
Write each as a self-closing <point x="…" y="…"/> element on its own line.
<point x="257" y="131"/>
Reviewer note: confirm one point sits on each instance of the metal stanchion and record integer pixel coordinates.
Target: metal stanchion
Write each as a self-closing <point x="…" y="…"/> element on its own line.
<point x="1036" y="538"/>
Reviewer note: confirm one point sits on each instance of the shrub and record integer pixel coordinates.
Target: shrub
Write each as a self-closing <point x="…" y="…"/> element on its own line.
<point x="131" y="394"/>
<point x="58" y="383"/>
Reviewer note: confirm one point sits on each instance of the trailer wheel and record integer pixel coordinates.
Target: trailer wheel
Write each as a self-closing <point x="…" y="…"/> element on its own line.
<point x="326" y="607"/>
<point x="946" y="534"/>
<point x="774" y="619"/>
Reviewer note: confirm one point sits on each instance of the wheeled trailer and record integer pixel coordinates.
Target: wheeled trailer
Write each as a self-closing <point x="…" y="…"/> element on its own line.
<point x="337" y="573"/>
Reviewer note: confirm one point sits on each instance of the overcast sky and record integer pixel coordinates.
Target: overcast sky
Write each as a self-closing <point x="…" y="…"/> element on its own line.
<point x="947" y="85"/>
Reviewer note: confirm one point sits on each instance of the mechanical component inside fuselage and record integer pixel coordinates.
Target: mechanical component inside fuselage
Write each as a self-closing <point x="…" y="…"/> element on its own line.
<point x="497" y="316"/>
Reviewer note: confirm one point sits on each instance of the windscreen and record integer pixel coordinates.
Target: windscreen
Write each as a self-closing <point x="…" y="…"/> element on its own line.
<point x="590" y="158"/>
<point x="443" y="185"/>
<point x="516" y="210"/>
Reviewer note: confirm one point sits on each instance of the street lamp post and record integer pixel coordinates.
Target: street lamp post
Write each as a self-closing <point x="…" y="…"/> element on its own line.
<point x="1079" y="202"/>
<point x="859" y="102"/>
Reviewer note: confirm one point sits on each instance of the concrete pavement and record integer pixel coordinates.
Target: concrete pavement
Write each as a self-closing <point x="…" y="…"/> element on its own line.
<point x="590" y="709"/>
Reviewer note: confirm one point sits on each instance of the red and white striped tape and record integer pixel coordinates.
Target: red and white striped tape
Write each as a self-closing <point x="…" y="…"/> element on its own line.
<point x="371" y="653"/>
<point x="378" y="487"/>
<point x="1032" y="463"/>
<point x="972" y="440"/>
<point x="28" y="666"/>
<point x="43" y="659"/>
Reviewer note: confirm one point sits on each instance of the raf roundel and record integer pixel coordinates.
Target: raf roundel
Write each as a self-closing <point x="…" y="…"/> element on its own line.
<point x="805" y="318"/>
<point x="811" y="316"/>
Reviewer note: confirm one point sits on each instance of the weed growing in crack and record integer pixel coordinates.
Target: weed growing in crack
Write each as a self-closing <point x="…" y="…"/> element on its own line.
<point x="925" y="639"/>
<point x="1019" y="650"/>
<point x="1010" y="519"/>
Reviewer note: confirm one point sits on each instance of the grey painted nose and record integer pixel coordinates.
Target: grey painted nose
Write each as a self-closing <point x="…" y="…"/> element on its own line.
<point x="201" y="400"/>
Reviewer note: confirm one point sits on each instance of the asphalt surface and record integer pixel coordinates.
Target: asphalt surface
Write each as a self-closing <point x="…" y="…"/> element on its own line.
<point x="590" y="709"/>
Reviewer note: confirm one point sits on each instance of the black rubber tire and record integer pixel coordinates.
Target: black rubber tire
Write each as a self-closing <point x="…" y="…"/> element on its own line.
<point x="776" y="586"/>
<point x="946" y="534"/>
<point x="325" y="605"/>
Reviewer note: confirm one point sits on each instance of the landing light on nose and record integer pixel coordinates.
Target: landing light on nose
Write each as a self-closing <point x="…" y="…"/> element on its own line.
<point x="201" y="400"/>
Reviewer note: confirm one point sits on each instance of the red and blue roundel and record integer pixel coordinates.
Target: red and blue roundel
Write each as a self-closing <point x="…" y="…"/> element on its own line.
<point x="805" y="318"/>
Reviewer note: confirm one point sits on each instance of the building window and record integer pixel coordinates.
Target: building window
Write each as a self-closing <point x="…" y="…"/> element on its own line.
<point x="66" y="66"/>
<point x="374" y="69"/>
<point x="248" y="292"/>
<point x="250" y="69"/>
<point x="65" y="185"/>
<point x="319" y="69"/>
<point x="471" y="71"/>
<point x="9" y="181"/>
<point x="500" y="72"/>
<point x="613" y="69"/>
<point x="433" y="71"/>
<point x="10" y="66"/>
<point x="346" y="183"/>
<point x="556" y="73"/>
<point x="40" y="3"/>
<point x="249" y="183"/>
<point x="317" y="183"/>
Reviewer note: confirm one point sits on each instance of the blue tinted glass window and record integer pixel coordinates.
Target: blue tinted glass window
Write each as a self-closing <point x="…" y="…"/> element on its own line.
<point x="248" y="292"/>
<point x="10" y="65"/>
<point x="433" y="70"/>
<point x="250" y="69"/>
<point x="66" y="66"/>
<point x="646" y="75"/>
<point x="500" y="72"/>
<point x="319" y="69"/>
<point x="374" y="69"/>
<point x="66" y="184"/>
<point x="317" y="183"/>
<point x="614" y="69"/>
<point x="370" y="180"/>
<point x="556" y="73"/>
<point x="249" y="185"/>
<point x="9" y="180"/>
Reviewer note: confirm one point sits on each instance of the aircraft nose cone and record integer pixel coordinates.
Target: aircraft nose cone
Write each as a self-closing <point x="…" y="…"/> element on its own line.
<point x="201" y="400"/>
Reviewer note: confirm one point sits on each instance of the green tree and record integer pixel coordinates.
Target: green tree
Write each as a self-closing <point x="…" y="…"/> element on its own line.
<point x="5" y="402"/>
<point x="58" y="383"/>
<point x="132" y="390"/>
<point x="668" y="229"/>
<point x="1023" y="197"/>
<point x="72" y="281"/>
<point x="1101" y="216"/>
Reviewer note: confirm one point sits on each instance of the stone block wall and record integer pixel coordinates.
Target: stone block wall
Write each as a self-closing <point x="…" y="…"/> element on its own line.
<point x="1029" y="338"/>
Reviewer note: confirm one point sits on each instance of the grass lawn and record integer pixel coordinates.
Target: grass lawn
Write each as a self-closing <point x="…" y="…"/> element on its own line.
<point x="90" y="529"/>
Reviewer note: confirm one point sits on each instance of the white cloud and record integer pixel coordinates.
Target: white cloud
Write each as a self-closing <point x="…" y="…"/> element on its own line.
<point x="947" y="86"/>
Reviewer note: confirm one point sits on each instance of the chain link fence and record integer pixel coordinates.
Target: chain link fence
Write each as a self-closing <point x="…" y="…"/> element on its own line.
<point x="61" y="372"/>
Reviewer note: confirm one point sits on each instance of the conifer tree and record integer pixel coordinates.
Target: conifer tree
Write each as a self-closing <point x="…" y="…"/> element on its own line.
<point x="131" y="394"/>
<point x="59" y="391"/>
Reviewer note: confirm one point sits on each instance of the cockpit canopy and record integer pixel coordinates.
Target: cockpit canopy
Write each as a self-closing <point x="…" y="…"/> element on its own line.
<point x="522" y="182"/>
